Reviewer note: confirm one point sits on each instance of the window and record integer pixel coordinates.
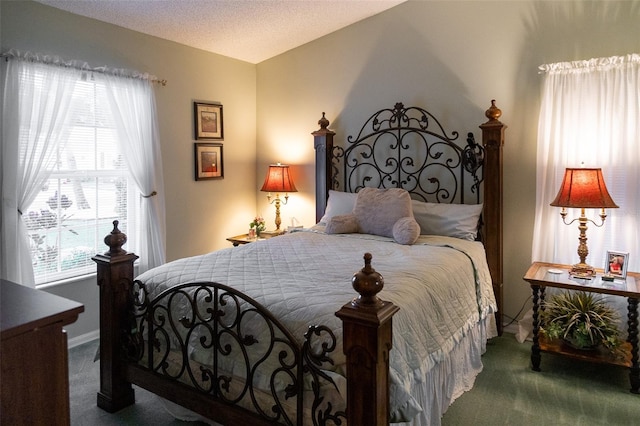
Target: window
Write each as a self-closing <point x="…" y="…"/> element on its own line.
<point x="589" y="115"/>
<point x="80" y="149"/>
<point x="89" y="188"/>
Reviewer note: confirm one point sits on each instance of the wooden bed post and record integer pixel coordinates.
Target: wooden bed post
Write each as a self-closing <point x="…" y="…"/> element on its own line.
<point x="115" y="276"/>
<point x="493" y="141"/>
<point x="367" y="340"/>
<point x="323" y="144"/>
<point x="367" y="320"/>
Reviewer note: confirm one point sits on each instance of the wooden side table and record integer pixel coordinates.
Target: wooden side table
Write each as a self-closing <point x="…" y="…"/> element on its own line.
<point x="246" y="239"/>
<point x="539" y="278"/>
<point x="35" y="370"/>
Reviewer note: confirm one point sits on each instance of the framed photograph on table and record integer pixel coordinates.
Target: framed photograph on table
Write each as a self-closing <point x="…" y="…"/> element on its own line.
<point x="208" y="120"/>
<point x="208" y="161"/>
<point x="616" y="264"/>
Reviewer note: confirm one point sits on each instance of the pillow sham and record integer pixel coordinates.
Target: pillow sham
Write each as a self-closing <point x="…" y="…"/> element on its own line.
<point x="378" y="210"/>
<point x="449" y="220"/>
<point x="338" y="203"/>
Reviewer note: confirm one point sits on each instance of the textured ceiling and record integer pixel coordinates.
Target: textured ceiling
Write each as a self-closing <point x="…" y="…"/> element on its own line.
<point x="249" y="30"/>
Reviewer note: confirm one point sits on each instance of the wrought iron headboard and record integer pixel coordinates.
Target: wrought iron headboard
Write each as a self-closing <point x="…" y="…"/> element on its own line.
<point x="407" y="147"/>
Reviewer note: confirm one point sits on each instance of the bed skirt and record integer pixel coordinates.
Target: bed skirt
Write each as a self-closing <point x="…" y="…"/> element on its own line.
<point x="454" y="375"/>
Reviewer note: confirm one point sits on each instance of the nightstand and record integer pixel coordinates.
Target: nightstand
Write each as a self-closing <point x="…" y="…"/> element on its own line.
<point x="541" y="275"/>
<point x="245" y="239"/>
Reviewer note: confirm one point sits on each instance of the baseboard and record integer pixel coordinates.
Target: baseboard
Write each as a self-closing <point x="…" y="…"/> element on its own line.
<point x="84" y="338"/>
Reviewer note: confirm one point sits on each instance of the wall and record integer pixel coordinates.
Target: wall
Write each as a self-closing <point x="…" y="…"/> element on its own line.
<point x="199" y="215"/>
<point x="452" y="58"/>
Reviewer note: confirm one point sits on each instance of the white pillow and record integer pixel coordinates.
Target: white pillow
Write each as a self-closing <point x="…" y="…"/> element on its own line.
<point x="450" y="220"/>
<point x="339" y="203"/>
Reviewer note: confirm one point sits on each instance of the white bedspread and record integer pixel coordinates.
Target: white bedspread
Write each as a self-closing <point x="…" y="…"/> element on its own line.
<point x="442" y="286"/>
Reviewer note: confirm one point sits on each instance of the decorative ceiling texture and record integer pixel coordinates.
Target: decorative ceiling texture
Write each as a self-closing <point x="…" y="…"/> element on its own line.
<point x="248" y="30"/>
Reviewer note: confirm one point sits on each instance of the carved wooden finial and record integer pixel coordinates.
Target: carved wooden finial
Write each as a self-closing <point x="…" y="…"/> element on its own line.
<point x="493" y="113"/>
<point x="368" y="283"/>
<point x="115" y="240"/>
<point x="323" y="122"/>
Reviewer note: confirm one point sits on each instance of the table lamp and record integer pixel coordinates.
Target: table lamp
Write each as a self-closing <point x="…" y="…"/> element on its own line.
<point x="278" y="180"/>
<point x="583" y="188"/>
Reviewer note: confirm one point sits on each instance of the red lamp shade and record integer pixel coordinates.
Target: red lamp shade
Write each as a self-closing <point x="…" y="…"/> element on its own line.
<point x="583" y="188"/>
<point x="278" y="179"/>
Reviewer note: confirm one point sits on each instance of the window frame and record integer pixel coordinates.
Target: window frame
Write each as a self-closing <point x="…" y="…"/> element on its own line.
<point x="98" y="117"/>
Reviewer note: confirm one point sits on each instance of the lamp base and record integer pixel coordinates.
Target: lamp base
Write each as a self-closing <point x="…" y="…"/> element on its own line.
<point x="582" y="270"/>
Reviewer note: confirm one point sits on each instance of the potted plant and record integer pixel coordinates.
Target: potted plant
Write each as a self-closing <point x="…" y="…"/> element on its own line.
<point x="582" y="320"/>
<point x="258" y="224"/>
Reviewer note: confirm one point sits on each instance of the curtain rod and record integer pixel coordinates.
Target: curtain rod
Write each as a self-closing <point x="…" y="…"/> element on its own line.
<point x="80" y="65"/>
<point x="589" y="64"/>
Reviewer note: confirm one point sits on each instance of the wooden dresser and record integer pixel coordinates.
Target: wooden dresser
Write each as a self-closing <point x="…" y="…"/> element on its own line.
<point x="34" y="379"/>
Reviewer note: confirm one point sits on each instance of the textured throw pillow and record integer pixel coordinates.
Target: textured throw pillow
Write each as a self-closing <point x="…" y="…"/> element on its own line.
<point x="406" y="231"/>
<point x="378" y="210"/>
<point x="449" y="220"/>
<point x="338" y="203"/>
<point x="342" y="224"/>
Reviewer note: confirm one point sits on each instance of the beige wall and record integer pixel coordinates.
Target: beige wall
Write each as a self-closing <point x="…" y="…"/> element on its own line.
<point x="200" y="215"/>
<point x="452" y="58"/>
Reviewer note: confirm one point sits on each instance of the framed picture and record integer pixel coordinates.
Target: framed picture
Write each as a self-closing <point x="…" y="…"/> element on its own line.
<point x="209" y="161"/>
<point x="208" y="120"/>
<point x="616" y="264"/>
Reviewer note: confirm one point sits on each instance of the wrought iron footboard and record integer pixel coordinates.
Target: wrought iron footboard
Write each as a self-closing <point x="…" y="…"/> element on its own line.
<point x="226" y="345"/>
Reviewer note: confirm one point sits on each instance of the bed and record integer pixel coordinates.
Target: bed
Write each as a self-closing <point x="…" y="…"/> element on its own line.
<point x="274" y="332"/>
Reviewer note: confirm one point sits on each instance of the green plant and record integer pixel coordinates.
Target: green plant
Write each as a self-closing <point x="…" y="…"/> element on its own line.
<point x="581" y="319"/>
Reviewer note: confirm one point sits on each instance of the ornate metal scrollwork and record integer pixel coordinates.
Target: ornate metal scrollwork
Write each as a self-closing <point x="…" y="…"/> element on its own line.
<point x="224" y="344"/>
<point x="133" y="339"/>
<point x="337" y="154"/>
<point x="315" y="354"/>
<point x="407" y="147"/>
<point x="472" y="160"/>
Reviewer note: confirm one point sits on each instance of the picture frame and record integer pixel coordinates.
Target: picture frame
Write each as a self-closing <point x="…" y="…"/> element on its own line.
<point x="209" y="123"/>
<point x="616" y="263"/>
<point x="209" y="162"/>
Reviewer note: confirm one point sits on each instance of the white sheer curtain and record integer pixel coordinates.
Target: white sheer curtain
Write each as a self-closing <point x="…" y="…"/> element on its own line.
<point x="590" y="115"/>
<point x="33" y="125"/>
<point x="32" y="129"/>
<point x="133" y="104"/>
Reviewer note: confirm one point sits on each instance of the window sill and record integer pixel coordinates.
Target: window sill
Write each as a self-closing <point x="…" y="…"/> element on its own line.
<point x="75" y="279"/>
<point x="66" y="281"/>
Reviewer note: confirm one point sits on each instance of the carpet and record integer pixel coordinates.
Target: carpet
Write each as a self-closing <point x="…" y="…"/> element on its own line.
<point x="507" y="392"/>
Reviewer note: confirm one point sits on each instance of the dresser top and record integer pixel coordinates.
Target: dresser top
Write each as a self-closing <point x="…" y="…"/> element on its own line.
<point x="23" y="309"/>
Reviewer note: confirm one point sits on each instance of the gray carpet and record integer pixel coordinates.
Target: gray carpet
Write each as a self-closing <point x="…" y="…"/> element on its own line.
<point x="565" y="392"/>
<point x="507" y="392"/>
<point x="84" y="383"/>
